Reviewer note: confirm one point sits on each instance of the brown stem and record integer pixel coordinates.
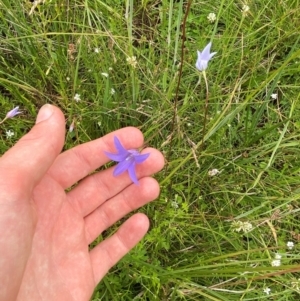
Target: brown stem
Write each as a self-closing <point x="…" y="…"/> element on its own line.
<point x="188" y="6"/>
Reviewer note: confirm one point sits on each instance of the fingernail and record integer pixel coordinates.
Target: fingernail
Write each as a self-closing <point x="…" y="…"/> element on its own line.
<point x="45" y="112"/>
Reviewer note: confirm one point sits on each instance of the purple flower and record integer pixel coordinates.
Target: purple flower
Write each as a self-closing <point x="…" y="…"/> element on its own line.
<point x="12" y="113"/>
<point x="204" y="57"/>
<point x="127" y="160"/>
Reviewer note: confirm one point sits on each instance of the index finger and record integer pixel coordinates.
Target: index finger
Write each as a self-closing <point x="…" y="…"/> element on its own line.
<point x="78" y="162"/>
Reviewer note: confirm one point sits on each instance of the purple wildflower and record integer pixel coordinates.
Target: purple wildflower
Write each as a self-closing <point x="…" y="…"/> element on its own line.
<point x="12" y="113"/>
<point x="127" y="160"/>
<point x="204" y="57"/>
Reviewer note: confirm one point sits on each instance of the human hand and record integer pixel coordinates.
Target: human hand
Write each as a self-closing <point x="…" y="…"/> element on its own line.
<point x="46" y="231"/>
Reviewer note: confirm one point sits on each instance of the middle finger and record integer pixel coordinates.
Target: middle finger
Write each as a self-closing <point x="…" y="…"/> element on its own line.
<point x="102" y="186"/>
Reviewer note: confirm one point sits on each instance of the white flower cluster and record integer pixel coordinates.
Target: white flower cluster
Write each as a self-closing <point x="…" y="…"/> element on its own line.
<point x="290" y="245"/>
<point x="274" y="96"/>
<point x="132" y="61"/>
<point x="277" y="261"/>
<point x="295" y="284"/>
<point x="211" y="17"/>
<point x="213" y="172"/>
<point x="175" y="205"/>
<point x="77" y="97"/>
<point x="245" y="9"/>
<point x="239" y="226"/>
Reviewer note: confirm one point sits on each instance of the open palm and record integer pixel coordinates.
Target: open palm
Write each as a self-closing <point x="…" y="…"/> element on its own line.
<point x="49" y="230"/>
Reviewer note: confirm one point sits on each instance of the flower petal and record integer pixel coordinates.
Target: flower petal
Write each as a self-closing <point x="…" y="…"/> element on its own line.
<point x="206" y="52"/>
<point x="122" y="166"/>
<point x="201" y="65"/>
<point x="141" y="157"/>
<point x="199" y="55"/>
<point x="116" y="157"/>
<point x="119" y="146"/>
<point x="212" y="54"/>
<point x="12" y="113"/>
<point x="132" y="174"/>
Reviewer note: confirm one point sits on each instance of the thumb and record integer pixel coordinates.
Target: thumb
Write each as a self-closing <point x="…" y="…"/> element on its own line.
<point x="24" y="165"/>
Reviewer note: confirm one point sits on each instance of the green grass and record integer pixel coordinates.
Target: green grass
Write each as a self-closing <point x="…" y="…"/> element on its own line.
<point x="191" y="251"/>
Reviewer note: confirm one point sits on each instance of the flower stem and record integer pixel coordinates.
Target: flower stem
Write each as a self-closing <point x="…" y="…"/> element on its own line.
<point x="3" y="120"/>
<point x="188" y="6"/>
<point x="205" y="109"/>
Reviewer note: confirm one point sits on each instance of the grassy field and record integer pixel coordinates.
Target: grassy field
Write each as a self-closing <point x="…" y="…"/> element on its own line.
<point x="226" y="224"/>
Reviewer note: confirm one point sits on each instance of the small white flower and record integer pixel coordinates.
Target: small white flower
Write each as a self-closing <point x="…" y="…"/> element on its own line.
<point x="211" y="17"/>
<point x="35" y="4"/>
<point x="276" y="263"/>
<point x="104" y="74"/>
<point x="277" y="256"/>
<point x="245" y="9"/>
<point x="77" y="97"/>
<point x="296" y="284"/>
<point x="97" y="50"/>
<point x="110" y="69"/>
<point x="267" y="290"/>
<point x="247" y="227"/>
<point x="239" y="226"/>
<point x="290" y="245"/>
<point x="174" y="204"/>
<point x="274" y="96"/>
<point x="112" y="91"/>
<point x="132" y="61"/>
<point x="68" y="78"/>
<point x="213" y="172"/>
<point x="9" y="133"/>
